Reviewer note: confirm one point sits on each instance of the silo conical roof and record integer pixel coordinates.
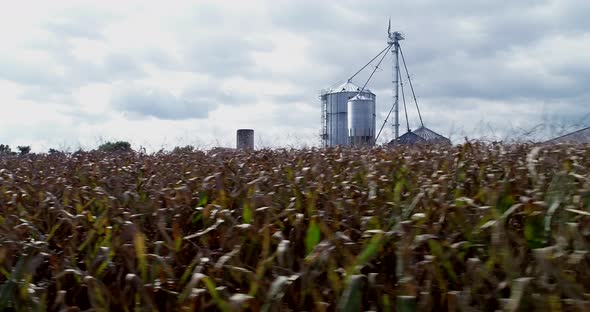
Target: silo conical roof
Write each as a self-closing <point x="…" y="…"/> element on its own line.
<point x="349" y="86"/>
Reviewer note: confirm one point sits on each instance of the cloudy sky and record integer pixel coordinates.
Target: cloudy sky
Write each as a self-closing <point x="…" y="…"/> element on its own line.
<point x="165" y="73"/>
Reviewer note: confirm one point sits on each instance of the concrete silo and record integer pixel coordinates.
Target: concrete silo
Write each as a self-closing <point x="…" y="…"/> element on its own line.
<point x="245" y="139"/>
<point x="335" y="130"/>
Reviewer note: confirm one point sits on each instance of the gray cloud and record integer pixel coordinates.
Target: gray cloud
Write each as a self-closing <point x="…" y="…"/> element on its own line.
<point x="297" y="115"/>
<point x="290" y="98"/>
<point x="113" y="67"/>
<point x="160" y="104"/>
<point x="80" y="23"/>
<point x="213" y="51"/>
<point x="28" y="74"/>
<point x="458" y="52"/>
<point x="45" y="85"/>
<point x="160" y="59"/>
<point x="195" y="101"/>
<point x="462" y="56"/>
<point x="47" y="94"/>
<point x="223" y="55"/>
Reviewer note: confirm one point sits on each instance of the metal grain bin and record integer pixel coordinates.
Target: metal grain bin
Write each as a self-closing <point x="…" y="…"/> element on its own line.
<point x="361" y="121"/>
<point x="335" y="113"/>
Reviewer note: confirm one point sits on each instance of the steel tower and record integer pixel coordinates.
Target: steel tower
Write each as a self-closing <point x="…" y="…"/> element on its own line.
<point x="393" y="41"/>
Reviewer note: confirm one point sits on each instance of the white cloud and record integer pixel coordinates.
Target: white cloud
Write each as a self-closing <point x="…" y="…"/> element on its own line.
<point x="161" y="74"/>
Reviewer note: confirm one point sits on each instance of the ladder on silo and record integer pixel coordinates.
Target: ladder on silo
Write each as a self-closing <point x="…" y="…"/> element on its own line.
<point x="324" y="134"/>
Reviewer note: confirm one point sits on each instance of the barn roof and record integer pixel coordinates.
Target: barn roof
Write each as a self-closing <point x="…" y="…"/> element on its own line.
<point x="421" y="135"/>
<point x="408" y="138"/>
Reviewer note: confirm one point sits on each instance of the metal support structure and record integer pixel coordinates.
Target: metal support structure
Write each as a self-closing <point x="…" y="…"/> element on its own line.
<point x="393" y="45"/>
<point x="396" y="90"/>
<point x="370" y="62"/>
<point x="401" y="52"/>
<point x="324" y="134"/>
<point x="404" y="101"/>
<point x="394" y="38"/>
<point x="372" y="73"/>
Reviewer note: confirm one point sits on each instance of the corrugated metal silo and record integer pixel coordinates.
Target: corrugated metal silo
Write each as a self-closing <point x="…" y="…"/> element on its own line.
<point x="335" y="113"/>
<point x="361" y="121"/>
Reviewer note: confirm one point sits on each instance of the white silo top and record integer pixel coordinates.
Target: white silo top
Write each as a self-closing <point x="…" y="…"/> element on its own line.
<point x="349" y="87"/>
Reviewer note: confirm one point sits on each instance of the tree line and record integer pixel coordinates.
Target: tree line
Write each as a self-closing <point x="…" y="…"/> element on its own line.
<point x="114" y="146"/>
<point x="117" y="146"/>
<point x="5" y="150"/>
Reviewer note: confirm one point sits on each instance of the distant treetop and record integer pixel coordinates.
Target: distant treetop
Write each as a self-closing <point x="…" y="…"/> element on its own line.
<point x="119" y="146"/>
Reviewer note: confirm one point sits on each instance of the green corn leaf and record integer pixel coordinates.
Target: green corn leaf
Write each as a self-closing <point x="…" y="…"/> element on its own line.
<point x="312" y="238"/>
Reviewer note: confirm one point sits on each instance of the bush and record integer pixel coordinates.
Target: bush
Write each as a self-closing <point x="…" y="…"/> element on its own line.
<point x="185" y="149"/>
<point x="5" y="150"/>
<point x="119" y="146"/>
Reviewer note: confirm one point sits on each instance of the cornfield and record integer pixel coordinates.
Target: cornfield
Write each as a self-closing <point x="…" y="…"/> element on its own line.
<point x="475" y="227"/>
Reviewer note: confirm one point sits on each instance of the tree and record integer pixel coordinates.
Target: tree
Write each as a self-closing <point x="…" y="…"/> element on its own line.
<point x="5" y="150"/>
<point x="53" y="151"/>
<point x="183" y="150"/>
<point x="23" y="150"/>
<point x="119" y="146"/>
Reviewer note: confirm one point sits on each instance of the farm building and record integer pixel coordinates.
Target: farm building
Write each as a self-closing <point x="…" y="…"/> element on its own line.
<point x="580" y="136"/>
<point x="420" y="136"/>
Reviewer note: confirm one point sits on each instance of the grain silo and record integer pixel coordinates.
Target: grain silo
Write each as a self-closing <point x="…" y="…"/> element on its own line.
<point x="335" y="130"/>
<point x="245" y="139"/>
<point x="361" y="121"/>
<point x="349" y="112"/>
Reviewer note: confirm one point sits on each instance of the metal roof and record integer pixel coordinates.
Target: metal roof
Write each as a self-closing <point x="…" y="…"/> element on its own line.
<point x="360" y="97"/>
<point x="580" y="136"/>
<point x="408" y="138"/>
<point x="348" y="86"/>
<point x="430" y="135"/>
<point x="421" y="135"/>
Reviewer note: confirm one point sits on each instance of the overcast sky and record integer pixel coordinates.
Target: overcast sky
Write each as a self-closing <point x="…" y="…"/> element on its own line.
<point x="165" y="73"/>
